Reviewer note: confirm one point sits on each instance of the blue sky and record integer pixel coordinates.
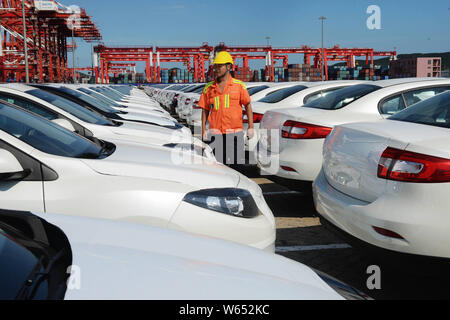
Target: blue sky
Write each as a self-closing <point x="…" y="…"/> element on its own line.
<point x="410" y="26"/>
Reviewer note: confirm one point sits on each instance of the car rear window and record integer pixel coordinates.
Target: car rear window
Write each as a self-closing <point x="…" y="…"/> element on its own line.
<point x="434" y="112"/>
<point x="341" y="98"/>
<point x="282" y="94"/>
<point x="257" y="89"/>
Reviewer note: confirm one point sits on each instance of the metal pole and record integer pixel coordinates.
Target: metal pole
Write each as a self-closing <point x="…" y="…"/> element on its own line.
<point x="27" y="72"/>
<point x="323" y="52"/>
<point x="73" y="57"/>
<point x="1" y="43"/>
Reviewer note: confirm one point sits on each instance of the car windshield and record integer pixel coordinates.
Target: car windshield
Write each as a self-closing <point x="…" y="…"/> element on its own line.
<point x="341" y="98"/>
<point x="199" y="89"/>
<point x="71" y="107"/>
<point x="45" y="135"/>
<point x="34" y="258"/>
<point x="17" y="264"/>
<point x="434" y="112"/>
<point x="123" y="90"/>
<point x="113" y="90"/>
<point x="282" y="94"/>
<point x="190" y="89"/>
<point x="257" y="89"/>
<point x="109" y="93"/>
<point x="196" y="88"/>
<point x="88" y="99"/>
<point x="100" y="97"/>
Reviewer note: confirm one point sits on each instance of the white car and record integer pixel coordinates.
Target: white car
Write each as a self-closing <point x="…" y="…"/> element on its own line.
<point x="290" y="146"/>
<point x="290" y="97"/>
<point x="185" y="101"/>
<point x="122" y="106"/>
<point x="141" y="100"/>
<point x="151" y="117"/>
<point x="47" y="168"/>
<point x="272" y="87"/>
<point x="76" y="258"/>
<point x="167" y="97"/>
<point x="388" y="182"/>
<point x="89" y="124"/>
<point x="120" y="97"/>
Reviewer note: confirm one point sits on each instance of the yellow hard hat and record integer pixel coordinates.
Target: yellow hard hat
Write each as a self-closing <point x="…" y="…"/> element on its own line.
<point x="223" y="57"/>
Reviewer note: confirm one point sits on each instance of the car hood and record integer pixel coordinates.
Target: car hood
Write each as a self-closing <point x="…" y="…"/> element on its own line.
<point x="147" y="106"/>
<point x="132" y="159"/>
<point x="116" y="260"/>
<point x="142" y="130"/>
<point x="156" y="118"/>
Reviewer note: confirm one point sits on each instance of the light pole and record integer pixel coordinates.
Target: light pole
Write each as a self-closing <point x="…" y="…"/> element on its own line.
<point x="73" y="56"/>
<point x="27" y="73"/>
<point x="323" y="51"/>
<point x="268" y="38"/>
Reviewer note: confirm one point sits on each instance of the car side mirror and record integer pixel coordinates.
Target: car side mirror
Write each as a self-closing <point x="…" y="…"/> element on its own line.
<point x="64" y="123"/>
<point x="10" y="167"/>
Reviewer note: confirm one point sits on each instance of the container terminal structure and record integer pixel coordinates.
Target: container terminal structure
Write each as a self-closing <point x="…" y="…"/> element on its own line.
<point x="34" y="39"/>
<point x="196" y="59"/>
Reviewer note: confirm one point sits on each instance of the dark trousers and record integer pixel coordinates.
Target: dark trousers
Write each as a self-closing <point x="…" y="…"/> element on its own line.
<point x="228" y="148"/>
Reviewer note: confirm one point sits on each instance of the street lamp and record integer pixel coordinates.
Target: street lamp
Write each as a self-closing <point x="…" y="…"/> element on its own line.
<point x="27" y="74"/>
<point x="323" y="51"/>
<point x="73" y="56"/>
<point x="268" y="38"/>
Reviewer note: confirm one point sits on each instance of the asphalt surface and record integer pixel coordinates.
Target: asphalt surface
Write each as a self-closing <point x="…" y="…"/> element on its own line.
<point x="302" y="237"/>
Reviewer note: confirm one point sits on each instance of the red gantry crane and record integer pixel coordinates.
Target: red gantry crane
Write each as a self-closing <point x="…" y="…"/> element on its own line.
<point x="105" y="56"/>
<point x="193" y="56"/>
<point x="330" y="54"/>
<point x="48" y="24"/>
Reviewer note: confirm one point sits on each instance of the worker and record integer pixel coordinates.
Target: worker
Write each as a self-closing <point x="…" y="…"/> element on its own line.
<point x="221" y="102"/>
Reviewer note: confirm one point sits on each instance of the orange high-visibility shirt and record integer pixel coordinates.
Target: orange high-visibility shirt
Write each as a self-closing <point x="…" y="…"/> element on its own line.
<point x="225" y="108"/>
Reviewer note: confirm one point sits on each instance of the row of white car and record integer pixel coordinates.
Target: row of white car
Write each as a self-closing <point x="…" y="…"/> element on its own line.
<point x="384" y="181"/>
<point x="77" y="156"/>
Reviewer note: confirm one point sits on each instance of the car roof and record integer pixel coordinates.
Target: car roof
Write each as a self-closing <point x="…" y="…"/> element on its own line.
<point x="17" y="86"/>
<point x="393" y="82"/>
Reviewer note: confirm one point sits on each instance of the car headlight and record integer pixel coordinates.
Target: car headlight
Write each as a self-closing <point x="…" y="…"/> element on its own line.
<point x="232" y="201"/>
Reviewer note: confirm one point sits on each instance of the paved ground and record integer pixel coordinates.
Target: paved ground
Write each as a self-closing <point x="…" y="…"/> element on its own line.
<point x="300" y="236"/>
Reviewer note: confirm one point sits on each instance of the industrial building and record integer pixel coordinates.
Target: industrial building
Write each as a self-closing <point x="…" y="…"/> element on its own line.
<point x="423" y="67"/>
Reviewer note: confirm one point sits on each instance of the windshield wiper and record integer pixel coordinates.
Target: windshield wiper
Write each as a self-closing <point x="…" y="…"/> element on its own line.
<point x="88" y="155"/>
<point x="34" y="281"/>
<point x="117" y="123"/>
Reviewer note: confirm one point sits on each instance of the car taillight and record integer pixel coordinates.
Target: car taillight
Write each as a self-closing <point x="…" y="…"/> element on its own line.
<point x="195" y="105"/>
<point x="409" y="166"/>
<point x="186" y="102"/>
<point x="257" y="117"/>
<point x="299" y="130"/>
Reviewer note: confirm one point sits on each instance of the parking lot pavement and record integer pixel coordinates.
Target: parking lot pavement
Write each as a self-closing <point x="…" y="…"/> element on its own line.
<point x="301" y="237"/>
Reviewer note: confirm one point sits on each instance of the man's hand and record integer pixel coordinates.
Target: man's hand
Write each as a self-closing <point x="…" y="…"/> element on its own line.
<point x="204" y="119"/>
<point x="249" y="112"/>
<point x="250" y="133"/>
<point x="205" y="135"/>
